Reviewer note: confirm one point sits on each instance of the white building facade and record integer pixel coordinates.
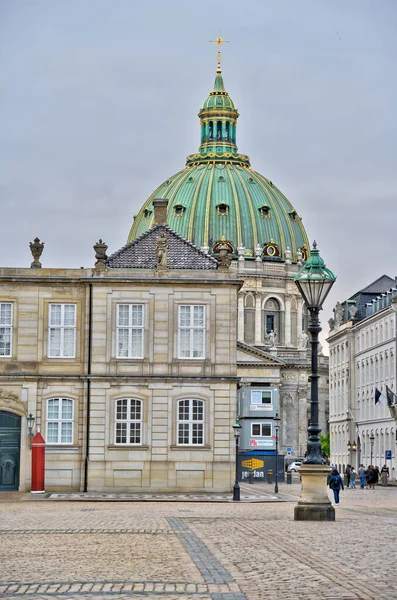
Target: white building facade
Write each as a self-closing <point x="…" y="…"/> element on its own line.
<point x="362" y="351"/>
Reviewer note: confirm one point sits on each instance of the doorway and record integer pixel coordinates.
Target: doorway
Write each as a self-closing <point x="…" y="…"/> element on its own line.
<point x="10" y="442"/>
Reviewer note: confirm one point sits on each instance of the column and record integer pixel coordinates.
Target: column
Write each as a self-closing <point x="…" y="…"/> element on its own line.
<point x="240" y="330"/>
<point x="299" y="318"/>
<point x="287" y="324"/>
<point x="258" y="320"/>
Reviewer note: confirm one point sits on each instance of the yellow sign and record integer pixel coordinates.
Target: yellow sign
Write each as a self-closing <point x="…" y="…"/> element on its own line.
<point x="253" y="463"/>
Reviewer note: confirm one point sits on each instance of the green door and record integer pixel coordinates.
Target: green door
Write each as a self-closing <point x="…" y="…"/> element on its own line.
<point x="10" y="440"/>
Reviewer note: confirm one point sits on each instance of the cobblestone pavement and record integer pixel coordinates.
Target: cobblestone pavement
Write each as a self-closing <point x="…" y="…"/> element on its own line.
<point x="199" y="550"/>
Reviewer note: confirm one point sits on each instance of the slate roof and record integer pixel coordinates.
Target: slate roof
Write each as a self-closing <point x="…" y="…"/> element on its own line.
<point x="367" y="294"/>
<point x="141" y="252"/>
<point x="379" y="286"/>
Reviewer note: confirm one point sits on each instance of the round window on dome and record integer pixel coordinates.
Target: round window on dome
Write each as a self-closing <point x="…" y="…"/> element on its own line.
<point x="271" y="250"/>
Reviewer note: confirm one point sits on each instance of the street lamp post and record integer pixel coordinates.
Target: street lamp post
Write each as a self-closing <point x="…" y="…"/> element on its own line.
<point x="314" y="282"/>
<point x="276" y="421"/>
<point x="30" y="419"/>
<point x="372" y="439"/>
<point x="236" y="488"/>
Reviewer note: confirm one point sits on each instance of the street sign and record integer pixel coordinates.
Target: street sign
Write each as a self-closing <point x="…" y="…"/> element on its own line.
<point x="387" y="454"/>
<point x="289" y="451"/>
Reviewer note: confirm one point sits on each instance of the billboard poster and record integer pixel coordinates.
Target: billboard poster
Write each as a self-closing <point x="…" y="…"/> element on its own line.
<point x="260" y="464"/>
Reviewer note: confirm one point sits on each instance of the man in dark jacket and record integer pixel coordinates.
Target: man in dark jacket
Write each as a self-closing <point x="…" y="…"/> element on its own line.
<point x="335" y="484"/>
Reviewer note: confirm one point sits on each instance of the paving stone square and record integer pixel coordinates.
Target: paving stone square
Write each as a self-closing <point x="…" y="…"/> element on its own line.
<point x="198" y="550"/>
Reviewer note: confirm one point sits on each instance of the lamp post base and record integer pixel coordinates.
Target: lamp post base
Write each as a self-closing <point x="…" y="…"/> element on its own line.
<point x="314" y="504"/>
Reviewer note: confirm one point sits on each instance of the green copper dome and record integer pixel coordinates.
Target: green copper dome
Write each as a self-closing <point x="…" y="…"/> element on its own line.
<point x="219" y="197"/>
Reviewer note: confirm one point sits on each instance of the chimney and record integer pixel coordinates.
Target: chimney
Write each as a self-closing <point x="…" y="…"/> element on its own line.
<point x="160" y="210"/>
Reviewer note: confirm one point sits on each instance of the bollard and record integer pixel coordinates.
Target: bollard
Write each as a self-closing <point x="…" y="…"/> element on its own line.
<point x="289" y="477"/>
<point x="250" y="475"/>
<point x="270" y="476"/>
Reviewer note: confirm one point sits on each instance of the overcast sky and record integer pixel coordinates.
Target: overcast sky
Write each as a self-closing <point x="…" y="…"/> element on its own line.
<point x="99" y="103"/>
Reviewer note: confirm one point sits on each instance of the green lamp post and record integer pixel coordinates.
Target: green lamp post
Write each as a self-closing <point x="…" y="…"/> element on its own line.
<point x="314" y="282"/>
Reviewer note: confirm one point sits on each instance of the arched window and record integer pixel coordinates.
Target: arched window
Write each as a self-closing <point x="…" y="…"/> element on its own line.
<point x="272" y="316"/>
<point x="219" y="131"/>
<point x="128" y="421"/>
<point x="190" y="422"/>
<point x="210" y="131"/>
<point x="59" y="424"/>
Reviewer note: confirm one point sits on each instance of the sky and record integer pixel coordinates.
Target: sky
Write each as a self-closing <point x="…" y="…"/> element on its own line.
<point x="99" y="103"/>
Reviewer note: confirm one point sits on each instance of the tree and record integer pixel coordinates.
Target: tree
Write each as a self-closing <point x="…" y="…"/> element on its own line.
<point x="325" y="444"/>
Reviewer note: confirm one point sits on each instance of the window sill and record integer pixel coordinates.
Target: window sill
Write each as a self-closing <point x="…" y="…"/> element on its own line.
<point x="129" y="358"/>
<point x="127" y="447"/>
<point x="189" y="447"/>
<point x="65" y="447"/>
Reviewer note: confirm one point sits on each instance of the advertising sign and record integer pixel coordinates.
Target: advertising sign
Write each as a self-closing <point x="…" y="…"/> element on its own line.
<point x="259" y="466"/>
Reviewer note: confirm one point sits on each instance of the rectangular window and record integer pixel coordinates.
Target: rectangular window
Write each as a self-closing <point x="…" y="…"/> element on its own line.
<point x="130" y="327"/>
<point x="62" y="331"/>
<point x="261" y="397"/>
<point x="128" y="422"/>
<point x="191" y="422"/>
<point x="191" y="329"/>
<point x="5" y="328"/>
<point x="59" y="421"/>
<point x="261" y="430"/>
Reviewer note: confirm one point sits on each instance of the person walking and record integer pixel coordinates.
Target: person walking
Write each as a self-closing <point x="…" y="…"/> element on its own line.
<point x="347" y="473"/>
<point x="372" y="477"/>
<point x="384" y="474"/>
<point x="353" y="476"/>
<point x="335" y="484"/>
<point x="361" y="474"/>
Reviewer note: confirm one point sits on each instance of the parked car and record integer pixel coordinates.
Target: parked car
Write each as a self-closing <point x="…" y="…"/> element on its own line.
<point x="294" y="466"/>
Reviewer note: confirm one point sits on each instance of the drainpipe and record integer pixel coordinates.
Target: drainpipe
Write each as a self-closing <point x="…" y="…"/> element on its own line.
<point x="87" y="434"/>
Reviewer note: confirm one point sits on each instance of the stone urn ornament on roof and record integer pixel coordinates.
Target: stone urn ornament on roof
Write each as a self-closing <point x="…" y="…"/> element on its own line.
<point x="100" y="254"/>
<point x="36" y="248"/>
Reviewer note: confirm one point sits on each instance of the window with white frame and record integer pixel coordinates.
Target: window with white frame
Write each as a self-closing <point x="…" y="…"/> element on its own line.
<point x="128" y="421"/>
<point x="261" y="397"/>
<point x="62" y="331"/>
<point x="130" y="327"/>
<point x="59" y="421"/>
<point x="261" y="430"/>
<point x="191" y="329"/>
<point x="190" y="422"/>
<point x="5" y="328"/>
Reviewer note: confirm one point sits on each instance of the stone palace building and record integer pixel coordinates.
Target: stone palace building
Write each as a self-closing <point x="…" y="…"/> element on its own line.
<point x="362" y="347"/>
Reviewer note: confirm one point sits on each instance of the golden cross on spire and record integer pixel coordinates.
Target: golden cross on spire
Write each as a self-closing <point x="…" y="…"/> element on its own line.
<point x="219" y="41"/>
